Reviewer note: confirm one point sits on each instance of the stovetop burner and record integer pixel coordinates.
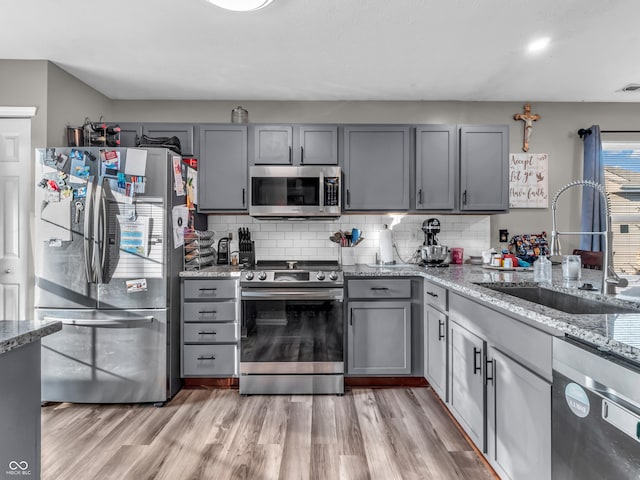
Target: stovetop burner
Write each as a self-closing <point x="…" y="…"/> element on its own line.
<point x="287" y="273"/>
<point x="305" y="265"/>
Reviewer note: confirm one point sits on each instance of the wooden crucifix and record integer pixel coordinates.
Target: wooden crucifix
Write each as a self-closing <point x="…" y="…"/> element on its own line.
<point x="528" y="120"/>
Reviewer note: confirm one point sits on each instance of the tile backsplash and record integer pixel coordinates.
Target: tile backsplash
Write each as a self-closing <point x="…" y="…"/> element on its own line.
<point x="309" y="239"/>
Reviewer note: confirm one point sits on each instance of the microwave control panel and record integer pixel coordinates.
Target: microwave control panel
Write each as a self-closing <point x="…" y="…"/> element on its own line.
<point x="331" y="191"/>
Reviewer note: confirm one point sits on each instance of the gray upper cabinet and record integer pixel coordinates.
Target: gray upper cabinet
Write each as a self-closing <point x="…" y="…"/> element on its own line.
<point x="376" y="163"/>
<point x="436" y="171"/>
<point x="484" y="168"/>
<point x="184" y="132"/>
<point x="130" y="134"/>
<point x="318" y="145"/>
<point x="272" y="144"/>
<point x="222" y="168"/>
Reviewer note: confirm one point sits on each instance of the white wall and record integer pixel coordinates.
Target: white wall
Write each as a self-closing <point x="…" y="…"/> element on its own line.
<point x="309" y="239"/>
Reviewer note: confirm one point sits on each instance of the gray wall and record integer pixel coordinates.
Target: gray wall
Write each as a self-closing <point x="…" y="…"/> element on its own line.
<point x="555" y="133"/>
<point x="23" y="83"/>
<point x="69" y="101"/>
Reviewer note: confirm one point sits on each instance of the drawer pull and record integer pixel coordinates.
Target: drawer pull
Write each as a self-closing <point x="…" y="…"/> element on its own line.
<point x="206" y="333"/>
<point x="379" y="288"/>
<point x="212" y="312"/>
<point x="208" y="289"/>
<point x="477" y="364"/>
<point x="431" y="294"/>
<point x="440" y="330"/>
<point x="492" y="364"/>
<point x="206" y="357"/>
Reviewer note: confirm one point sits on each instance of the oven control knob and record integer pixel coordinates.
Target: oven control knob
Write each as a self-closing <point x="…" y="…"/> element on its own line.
<point x="262" y="276"/>
<point x="248" y="276"/>
<point x="320" y="276"/>
<point x="333" y="276"/>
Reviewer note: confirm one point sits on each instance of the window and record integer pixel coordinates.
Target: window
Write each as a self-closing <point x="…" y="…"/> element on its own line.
<point x="621" y="162"/>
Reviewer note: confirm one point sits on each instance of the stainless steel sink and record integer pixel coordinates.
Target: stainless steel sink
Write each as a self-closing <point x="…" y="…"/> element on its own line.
<point x="560" y="301"/>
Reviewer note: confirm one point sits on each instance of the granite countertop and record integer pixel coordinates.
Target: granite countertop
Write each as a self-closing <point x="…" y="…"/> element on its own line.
<point x="17" y="333"/>
<point x="614" y="332"/>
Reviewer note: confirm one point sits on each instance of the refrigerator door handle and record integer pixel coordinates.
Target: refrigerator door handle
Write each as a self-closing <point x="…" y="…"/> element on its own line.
<point x="103" y="235"/>
<point x="98" y="234"/>
<point x="88" y="247"/>
<point x="113" y="322"/>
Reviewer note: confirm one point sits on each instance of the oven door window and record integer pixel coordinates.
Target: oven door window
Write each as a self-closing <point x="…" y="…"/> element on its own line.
<point x="285" y="191"/>
<point x="277" y="331"/>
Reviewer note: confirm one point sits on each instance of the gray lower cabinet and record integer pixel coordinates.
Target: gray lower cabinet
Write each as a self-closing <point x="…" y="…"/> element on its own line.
<point x="210" y="329"/>
<point x="484" y="167"/>
<point x="502" y="362"/>
<point x="222" y="168"/>
<point x="466" y="377"/>
<point x="376" y="163"/>
<point x="436" y="167"/>
<point x="518" y="419"/>
<point x="379" y="338"/>
<point x="436" y="325"/>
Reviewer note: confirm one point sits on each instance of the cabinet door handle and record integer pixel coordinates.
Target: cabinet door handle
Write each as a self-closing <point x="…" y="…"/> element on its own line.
<point x="301" y="154"/>
<point x="351" y="318"/>
<point x="477" y="363"/>
<point x="420" y="196"/>
<point x="379" y="288"/>
<point x="290" y="156"/>
<point x="206" y="357"/>
<point x="204" y="332"/>
<point x="431" y="294"/>
<point x="348" y="198"/>
<point x="212" y="312"/>
<point x="493" y="366"/>
<point x="464" y="198"/>
<point x="243" y="197"/>
<point x="440" y="330"/>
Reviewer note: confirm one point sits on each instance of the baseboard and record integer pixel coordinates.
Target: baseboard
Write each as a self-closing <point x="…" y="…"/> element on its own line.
<point x="383" y="382"/>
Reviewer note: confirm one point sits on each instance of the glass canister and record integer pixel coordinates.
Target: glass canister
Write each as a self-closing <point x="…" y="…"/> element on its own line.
<point x="239" y="115"/>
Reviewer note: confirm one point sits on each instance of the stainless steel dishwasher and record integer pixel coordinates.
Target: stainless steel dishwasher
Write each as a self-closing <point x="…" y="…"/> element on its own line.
<point x="595" y="414"/>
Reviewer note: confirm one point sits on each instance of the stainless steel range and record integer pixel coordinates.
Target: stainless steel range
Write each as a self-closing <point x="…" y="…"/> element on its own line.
<point x="292" y="328"/>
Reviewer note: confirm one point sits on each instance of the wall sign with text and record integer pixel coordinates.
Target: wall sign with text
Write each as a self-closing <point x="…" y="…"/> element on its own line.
<point x="528" y="183"/>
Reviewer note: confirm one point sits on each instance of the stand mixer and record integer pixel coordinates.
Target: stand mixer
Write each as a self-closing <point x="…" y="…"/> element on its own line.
<point x="431" y="252"/>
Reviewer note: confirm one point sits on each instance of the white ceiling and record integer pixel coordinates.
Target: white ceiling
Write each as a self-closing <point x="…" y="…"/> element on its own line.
<point x="469" y="50"/>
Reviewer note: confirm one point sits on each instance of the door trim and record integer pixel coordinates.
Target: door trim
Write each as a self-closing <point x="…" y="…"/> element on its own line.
<point x="18" y="112"/>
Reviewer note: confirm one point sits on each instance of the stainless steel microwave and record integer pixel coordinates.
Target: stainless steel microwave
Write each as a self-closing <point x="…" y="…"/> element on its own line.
<point x="289" y="191"/>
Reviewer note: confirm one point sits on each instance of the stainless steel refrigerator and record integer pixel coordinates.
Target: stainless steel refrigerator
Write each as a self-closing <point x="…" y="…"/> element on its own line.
<point x="106" y="266"/>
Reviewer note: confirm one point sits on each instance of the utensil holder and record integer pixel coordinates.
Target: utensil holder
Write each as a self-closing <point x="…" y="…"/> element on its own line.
<point x="348" y="256"/>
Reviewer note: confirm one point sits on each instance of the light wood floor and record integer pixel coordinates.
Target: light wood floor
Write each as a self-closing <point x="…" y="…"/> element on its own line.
<point x="396" y="433"/>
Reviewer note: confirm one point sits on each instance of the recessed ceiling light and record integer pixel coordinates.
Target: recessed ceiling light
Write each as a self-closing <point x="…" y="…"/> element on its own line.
<point x="539" y="44"/>
<point x="241" y="5"/>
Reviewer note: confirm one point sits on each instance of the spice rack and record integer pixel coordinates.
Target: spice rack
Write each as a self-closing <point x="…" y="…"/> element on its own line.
<point x="198" y="249"/>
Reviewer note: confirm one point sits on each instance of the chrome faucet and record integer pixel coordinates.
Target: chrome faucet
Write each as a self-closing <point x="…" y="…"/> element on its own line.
<point x="609" y="277"/>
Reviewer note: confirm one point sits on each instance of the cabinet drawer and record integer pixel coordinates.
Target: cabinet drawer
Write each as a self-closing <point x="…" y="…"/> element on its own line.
<point x="210" y="332"/>
<point x="379" y="288"/>
<point x="209" y="312"/>
<point x="209" y="360"/>
<point x="213" y="289"/>
<point x="436" y="296"/>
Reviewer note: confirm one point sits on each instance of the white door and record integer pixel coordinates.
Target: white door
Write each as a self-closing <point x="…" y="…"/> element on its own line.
<point x="15" y="205"/>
